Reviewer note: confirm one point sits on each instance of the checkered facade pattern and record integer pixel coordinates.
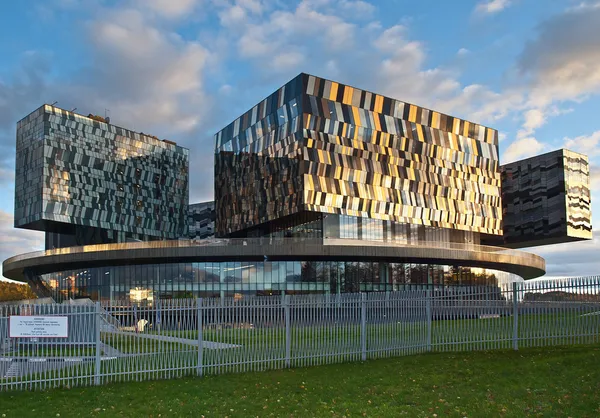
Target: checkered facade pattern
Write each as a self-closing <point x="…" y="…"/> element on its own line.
<point x="83" y="177"/>
<point x="201" y="222"/>
<point x="318" y="146"/>
<point x="546" y="199"/>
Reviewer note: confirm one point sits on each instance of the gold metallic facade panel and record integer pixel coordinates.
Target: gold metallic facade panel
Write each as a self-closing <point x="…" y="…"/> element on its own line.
<point x="578" y="198"/>
<point x="347" y="95"/>
<point x="352" y="122"/>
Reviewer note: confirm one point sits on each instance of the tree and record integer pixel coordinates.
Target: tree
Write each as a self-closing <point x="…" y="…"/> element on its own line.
<point x="15" y="291"/>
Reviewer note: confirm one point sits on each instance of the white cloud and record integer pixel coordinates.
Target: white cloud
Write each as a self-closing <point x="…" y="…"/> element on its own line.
<point x="332" y="67"/>
<point x="225" y="89"/>
<point x="357" y="8"/>
<point x="522" y="148"/>
<point x="7" y="175"/>
<point x="17" y="241"/>
<point x="170" y="8"/>
<point x="288" y="60"/>
<point x="282" y="40"/>
<point x="283" y="37"/>
<point x="575" y="259"/>
<point x="560" y="66"/>
<point x="564" y="65"/>
<point x="533" y="119"/>
<point x="142" y="56"/>
<point x="463" y="52"/>
<point x="232" y="16"/>
<point x="403" y="74"/>
<point x="253" y="6"/>
<point x="585" y="144"/>
<point x="491" y="6"/>
<point x="237" y="13"/>
<point x="482" y="105"/>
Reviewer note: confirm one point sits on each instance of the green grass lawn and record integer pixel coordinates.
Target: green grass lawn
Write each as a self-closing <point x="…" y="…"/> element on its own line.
<point x="531" y="382"/>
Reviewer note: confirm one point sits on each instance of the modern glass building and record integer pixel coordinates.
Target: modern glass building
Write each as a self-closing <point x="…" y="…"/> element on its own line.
<point x="264" y="266"/>
<point x="85" y="181"/>
<point x="318" y="154"/>
<point x="546" y="199"/>
<point x="319" y="188"/>
<point x="201" y="224"/>
<point x="247" y="278"/>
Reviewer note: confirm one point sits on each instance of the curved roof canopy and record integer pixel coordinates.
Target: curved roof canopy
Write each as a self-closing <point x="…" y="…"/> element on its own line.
<point x="521" y="263"/>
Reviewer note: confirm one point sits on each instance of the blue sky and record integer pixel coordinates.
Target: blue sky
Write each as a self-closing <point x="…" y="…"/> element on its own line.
<point x="182" y="69"/>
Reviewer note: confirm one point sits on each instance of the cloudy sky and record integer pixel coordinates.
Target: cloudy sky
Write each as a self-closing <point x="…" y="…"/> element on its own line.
<point x="182" y="69"/>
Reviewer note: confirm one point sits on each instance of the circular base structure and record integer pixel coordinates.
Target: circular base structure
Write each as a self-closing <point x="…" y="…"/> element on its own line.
<point x="263" y="266"/>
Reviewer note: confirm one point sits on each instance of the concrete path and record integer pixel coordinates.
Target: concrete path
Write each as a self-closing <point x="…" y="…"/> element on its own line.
<point x="110" y="351"/>
<point x="211" y="345"/>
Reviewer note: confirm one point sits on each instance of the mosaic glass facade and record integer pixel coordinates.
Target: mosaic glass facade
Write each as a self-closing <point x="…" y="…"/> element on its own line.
<point x="85" y="181"/>
<point x="201" y="220"/>
<point x="546" y="199"/>
<point x="317" y="146"/>
<point x="239" y="279"/>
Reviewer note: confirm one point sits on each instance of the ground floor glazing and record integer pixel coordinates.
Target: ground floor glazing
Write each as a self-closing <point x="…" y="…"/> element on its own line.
<point x="148" y="282"/>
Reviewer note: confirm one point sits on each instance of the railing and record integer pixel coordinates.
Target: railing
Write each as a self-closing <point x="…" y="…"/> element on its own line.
<point x="277" y="242"/>
<point x="162" y="339"/>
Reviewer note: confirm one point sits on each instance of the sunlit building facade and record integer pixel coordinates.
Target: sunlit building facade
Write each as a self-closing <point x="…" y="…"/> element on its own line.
<point x="319" y="158"/>
<point x="85" y="181"/>
<point x="319" y="188"/>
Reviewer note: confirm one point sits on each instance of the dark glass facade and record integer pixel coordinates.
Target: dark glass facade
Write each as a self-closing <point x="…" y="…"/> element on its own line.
<point x="141" y="283"/>
<point x="324" y="225"/>
<point x="318" y="146"/>
<point x="201" y="220"/>
<point x="85" y="181"/>
<point x="546" y="199"/>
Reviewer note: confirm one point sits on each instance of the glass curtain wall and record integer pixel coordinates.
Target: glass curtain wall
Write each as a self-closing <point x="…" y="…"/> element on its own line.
<point x="146" y="283"/>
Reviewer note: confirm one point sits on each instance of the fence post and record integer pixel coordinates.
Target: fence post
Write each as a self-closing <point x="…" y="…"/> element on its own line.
<point x="285" y="300"/>
<point x="363" y="326"/>
<point x="515" y="316"/>
<point x="200" y="337"/>
<point x="97" y="313"/>
<point x="428" y="312"/>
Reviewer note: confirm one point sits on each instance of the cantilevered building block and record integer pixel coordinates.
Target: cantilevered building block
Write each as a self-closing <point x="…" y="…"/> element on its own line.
<point x="317" y="149"/>
<point x="85" y="181"/>
<point x="546" y="200"/>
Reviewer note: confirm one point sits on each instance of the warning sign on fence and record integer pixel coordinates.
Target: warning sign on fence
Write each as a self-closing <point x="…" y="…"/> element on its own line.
<point x="38" y="326"/>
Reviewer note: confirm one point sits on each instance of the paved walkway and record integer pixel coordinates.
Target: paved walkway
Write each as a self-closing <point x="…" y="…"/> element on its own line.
<point x="110" y="351"/>
<point x="211" y="345"/>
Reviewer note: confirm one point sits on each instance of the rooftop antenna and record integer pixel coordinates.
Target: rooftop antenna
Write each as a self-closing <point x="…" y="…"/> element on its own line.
<point x="106" y="117"/>
<point x="74" y="109"/>
<point x="53" y="103"/>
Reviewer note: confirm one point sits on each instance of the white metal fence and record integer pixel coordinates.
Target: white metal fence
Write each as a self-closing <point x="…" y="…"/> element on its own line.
<point x="171" y="338"/>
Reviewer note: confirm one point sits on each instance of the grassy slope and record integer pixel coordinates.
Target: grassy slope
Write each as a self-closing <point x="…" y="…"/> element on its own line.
<point x="531" y="382"/>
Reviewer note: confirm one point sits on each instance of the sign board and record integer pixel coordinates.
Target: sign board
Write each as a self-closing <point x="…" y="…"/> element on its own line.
<point x="38" y="326"/>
